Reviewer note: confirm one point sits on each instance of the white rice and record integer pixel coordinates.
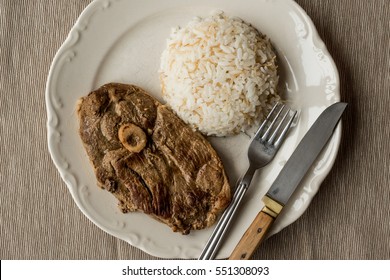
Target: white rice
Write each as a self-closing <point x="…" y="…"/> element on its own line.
<point x="219" y="74"/>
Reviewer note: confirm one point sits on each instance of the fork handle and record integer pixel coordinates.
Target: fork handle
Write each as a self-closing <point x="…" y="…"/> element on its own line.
<point x="253" y="237"/>
<point x="220" y="230"/>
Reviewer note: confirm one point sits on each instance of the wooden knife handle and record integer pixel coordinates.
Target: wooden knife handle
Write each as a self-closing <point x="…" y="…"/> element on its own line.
<point x="253" y="236"/>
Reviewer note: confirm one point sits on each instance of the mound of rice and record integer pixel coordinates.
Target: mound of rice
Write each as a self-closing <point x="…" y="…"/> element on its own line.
<point x="219" y="74"/>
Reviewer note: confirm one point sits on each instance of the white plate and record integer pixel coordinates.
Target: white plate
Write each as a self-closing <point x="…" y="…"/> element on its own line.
<point x="121" y="41"/>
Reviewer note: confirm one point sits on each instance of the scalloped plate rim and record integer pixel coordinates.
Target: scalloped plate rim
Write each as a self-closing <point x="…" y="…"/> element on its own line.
<point x="67" y="177"/>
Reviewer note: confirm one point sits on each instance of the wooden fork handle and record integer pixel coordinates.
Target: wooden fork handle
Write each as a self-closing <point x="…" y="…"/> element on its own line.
<point x="253" y="237"/>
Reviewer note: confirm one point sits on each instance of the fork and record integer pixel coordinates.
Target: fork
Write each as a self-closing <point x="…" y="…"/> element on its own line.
<point x="261" y="151"/>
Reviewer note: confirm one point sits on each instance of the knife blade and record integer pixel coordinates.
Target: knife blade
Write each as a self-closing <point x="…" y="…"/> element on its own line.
<point x="288" y="179"/>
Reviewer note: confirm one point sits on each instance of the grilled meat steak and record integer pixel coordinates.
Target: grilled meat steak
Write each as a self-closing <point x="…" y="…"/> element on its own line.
<point x="150" y="160"/>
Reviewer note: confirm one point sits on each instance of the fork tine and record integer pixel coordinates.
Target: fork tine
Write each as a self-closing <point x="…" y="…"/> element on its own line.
<point x="279" y="126"/>
<point x="262" y="126"/>
<point x="271" y="126"/>
<point x="285" y="129"/>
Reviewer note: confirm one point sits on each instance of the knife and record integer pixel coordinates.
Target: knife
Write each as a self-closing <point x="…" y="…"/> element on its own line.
<point x="288" y="179"/>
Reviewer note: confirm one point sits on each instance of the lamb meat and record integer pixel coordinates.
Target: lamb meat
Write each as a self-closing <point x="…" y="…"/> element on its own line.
<point x="150" y="160"/>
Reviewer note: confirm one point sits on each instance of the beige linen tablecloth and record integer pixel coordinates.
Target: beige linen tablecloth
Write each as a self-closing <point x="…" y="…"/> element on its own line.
<point x="349" y="217"/>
